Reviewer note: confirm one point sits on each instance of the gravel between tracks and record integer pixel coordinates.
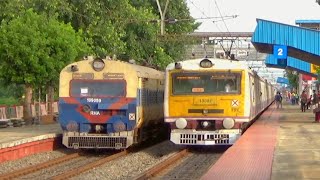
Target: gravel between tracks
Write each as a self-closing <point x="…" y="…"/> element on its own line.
<point x="58" y="169"/>
<point x="9" y="166"/>
<point x="131" y="165"/>
<point x="192" y="167"/>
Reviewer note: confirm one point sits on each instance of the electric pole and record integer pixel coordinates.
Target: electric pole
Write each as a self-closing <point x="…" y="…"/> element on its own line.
<point x="162" y="16"/>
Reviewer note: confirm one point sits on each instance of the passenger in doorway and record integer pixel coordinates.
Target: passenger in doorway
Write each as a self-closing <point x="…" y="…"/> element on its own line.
<point x="303" y="102"/>
<point x="278" y="99"/>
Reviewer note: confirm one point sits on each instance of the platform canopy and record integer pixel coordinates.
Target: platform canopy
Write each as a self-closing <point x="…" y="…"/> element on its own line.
<point x="301" y="43"/>
<point x="291" y="63"/>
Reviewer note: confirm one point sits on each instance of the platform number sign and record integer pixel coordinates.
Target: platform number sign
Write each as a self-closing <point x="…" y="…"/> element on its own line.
<point x="280" y="51"/>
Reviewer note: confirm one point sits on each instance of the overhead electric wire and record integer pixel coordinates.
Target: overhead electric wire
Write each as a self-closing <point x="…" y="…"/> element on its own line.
<point x="203" y="13"/>
<point x="221" y="16"/>
<point x="225" y="23"/>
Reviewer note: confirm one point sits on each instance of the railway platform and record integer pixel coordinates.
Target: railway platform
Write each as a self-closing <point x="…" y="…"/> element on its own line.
<point x="281" y="144"/>
<point x="18" y="142"/>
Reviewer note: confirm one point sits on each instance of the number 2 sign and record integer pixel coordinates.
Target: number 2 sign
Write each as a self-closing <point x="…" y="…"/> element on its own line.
<point x="280" y="51"/>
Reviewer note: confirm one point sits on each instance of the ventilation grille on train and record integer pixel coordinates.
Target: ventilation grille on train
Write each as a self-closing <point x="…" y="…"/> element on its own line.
<point x="97" y="142"/>
<point x="193" y="138"/>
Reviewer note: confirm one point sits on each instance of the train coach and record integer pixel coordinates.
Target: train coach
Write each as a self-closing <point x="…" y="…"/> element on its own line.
<point x="212" y="101"/>
<point x="109" y="103"/>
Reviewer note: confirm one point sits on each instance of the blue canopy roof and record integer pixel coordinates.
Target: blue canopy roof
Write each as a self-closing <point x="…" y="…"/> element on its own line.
<point x="308" y="21"/>
<point x="302" y="43"/>
<point x="291" y="63"/>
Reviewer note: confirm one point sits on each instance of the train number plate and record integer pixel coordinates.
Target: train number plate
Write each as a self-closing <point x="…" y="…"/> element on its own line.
<point x="94" y="100"/>
<point x="204" y="101"/>
<point x="95" y="113"/>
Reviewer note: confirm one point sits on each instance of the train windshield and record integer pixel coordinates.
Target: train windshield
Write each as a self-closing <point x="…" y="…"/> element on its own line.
<point x="97" y="88"/>
<point x="206" y="83"/>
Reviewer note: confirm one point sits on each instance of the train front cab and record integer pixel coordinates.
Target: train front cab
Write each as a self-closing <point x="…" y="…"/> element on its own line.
<point x="97" y="109"/>
<point x="205" y="114"/>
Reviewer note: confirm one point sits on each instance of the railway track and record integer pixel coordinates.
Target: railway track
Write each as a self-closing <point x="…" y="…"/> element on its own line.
<point x="186" y="164"/>
<point x="89" y="166"/>
<point x="67" y="173"/>
<point x="182" y="164"/>
<point x="38" y="167"/>
<point x="162" y="165"/>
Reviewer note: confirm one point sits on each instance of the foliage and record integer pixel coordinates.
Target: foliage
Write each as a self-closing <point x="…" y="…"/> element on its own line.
<point x="38" y="38"/>
<point x="174" y="40"/>
<point x="293" y="78"/>
<point x="110" y="31"/>
<point x="9" y="101"/>
<point x="11" y="94"/>
<point x="34" y="49"/>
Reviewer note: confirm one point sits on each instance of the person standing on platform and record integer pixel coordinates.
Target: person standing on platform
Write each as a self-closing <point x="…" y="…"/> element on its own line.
<point x="293" y="98"/>
<point x="309" y="102"/>
<point x="316" y="109"/>
<point x="314" y="99"/>
<point x="303" y="102"/>
<point x="278" y="99"/>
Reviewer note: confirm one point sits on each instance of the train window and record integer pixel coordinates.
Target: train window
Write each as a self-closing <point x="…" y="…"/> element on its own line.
<point x="206" y="83"/>
<point x="97" y="88"/>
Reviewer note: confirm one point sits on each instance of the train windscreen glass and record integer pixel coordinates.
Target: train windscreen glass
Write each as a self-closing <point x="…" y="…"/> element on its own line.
<point x="100" y="88"/>
<point x="206" y="83"/>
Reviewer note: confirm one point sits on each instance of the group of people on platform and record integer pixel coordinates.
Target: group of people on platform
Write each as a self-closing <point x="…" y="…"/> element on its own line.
<point x="305" y="101"/>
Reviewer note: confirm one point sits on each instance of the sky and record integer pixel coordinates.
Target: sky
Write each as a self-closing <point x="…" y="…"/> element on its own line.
<point x="282" y="11"/>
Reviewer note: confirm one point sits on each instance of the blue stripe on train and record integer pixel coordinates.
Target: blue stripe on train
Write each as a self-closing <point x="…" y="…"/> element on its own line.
<point x="72" y="113"/>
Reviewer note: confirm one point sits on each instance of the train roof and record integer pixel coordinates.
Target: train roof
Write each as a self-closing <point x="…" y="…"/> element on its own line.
<point x="194" y="64"/>
<point x="122" y="66"/>
<point x="142" y="71"/>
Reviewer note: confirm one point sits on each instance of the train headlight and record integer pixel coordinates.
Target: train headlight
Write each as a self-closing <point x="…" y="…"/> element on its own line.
<point x="205" y="124"/>
<point x="119" y="126"/>
<point x="228" y="123"/>
<point x="181" y="123"/>
<point x="72" y="126"/>
<point x="98" y="64"/>
<point x="178" y="65"/>
<point x="86" y="108"/>
<point x="74" y="68"/>
<point x="206" y="63"/>
<point x="99" y="128"/>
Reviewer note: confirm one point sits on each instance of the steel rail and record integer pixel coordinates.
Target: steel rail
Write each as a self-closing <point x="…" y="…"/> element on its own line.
<point x="37" y="167"/>
<point x="162" y="165"/>
<point x="89" y="166"/>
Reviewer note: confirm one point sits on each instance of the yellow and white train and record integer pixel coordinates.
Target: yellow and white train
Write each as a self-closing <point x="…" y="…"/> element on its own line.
<point x="109" y="103"/>
<point x="212" y="101"/>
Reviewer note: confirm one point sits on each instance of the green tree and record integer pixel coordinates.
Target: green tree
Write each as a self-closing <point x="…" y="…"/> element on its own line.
<point x="122" y="27"/>
<point x="293" y="78"/>
<point x="10" y="94"/>
<point x="171" y="46"/>
<point x="34" y="49"/>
